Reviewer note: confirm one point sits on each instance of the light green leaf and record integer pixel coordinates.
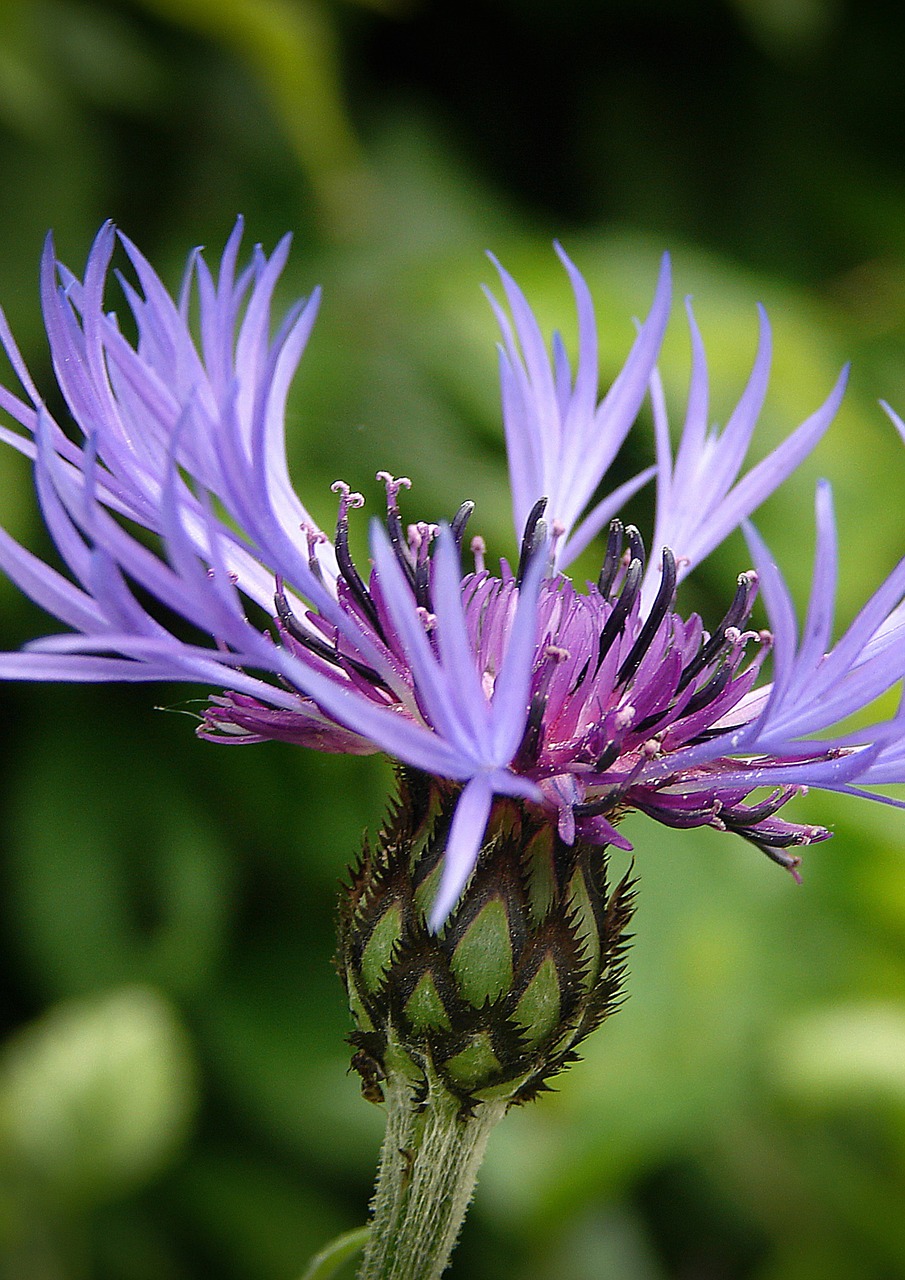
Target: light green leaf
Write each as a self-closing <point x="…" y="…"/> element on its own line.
<point x="97" y="1095"/>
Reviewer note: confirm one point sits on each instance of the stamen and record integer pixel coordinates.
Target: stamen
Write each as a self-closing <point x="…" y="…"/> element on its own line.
<point x="532" y="739"/>
<point x="428" y="619"/>
<point x="347" y="499"/>
<point x="611" y="559"/>
<point x="664" y="598"/>
<point x="291" y="624"/>
<point x="609" y="755"/>
<point x="790" y="861"/>
<point x="530" y="745"/>
<point x="708" y="692"/>
<point x="393" y="485"/>
<point x="316" y="644"/>
<point x="736" y="615"/>
<point x="394" y="523"/>
<point x="284" y="613"/>
<point x="784" y="839"/>
<point x="459" y="521"/>
<point x="582" y="675"/>
<point x="422" y="585"/>
<point x="314" y="537"/>
<point x="478" y="550"/>
<point x="615" y="623"/>
<point x="535" y="536"/>
<point x="635" y="545"/>
<point x="557" y="531"/>
<point x="595" y="808"/>
<point x="625" y="717"/>
<point x="420" y="538"/>
<point x="344" y="556"/>
<point x="748" y="815"/>
<point x="704" y="815"/>
<point x="626" y="781"/>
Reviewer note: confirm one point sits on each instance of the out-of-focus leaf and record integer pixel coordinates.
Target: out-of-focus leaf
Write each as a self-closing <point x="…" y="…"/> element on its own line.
<point x="846" y="1053"/>
<point x="261" y="1220"/>
<point x="789" y="26"/>
<point x="123" y="878"/>
<point x="277" y="1038"/>
<point x="98" y="1095"/>
<point x="290" y="47"/>
<point x="605" y="1242"/>
<point x="684" y="1057"/>
<point x="103" y="56"/>
<point x="30" y="101"/>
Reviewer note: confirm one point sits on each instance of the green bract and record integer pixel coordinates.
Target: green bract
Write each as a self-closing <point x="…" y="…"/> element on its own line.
<point x="529" y="963"/>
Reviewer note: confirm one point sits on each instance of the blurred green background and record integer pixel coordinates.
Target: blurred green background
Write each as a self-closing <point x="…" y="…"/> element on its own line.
<point x="173" y="1096"/>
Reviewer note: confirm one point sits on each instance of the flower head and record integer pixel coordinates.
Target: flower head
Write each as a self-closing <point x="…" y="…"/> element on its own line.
<point x="581" y="704"/>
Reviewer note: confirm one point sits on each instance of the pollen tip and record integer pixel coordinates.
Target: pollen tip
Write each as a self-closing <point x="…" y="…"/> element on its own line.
<point x="394" y="482"/>
<point x="428" y="619"/>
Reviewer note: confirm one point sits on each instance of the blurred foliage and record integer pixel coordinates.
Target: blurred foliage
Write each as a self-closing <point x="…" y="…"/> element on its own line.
<point x="173" y="1096"/>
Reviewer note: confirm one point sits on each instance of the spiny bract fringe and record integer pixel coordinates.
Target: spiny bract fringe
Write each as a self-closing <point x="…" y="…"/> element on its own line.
<point x="526" y="966"/>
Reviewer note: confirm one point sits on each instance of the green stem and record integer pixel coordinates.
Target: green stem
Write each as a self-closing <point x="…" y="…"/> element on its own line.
<point x="428" y="1169"/>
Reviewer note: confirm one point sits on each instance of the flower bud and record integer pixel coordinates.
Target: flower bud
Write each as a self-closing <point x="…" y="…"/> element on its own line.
<point x="528" y="963"/>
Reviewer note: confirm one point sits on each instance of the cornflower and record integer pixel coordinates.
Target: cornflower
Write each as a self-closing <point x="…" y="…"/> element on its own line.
<point x="480" y="941"/>
<point x="584" y="704"/>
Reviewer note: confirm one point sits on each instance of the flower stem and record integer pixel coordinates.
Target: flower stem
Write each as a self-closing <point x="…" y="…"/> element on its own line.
<point x="428" y="1169"/>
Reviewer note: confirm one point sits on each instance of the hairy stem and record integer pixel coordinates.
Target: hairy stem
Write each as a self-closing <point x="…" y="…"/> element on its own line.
<point x="428" y="1169"/>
